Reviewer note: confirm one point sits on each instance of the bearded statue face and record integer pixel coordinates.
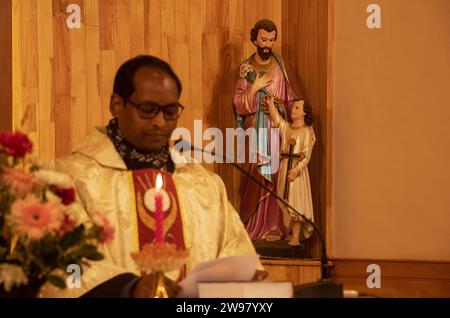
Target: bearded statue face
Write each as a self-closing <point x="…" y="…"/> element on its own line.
<point x="264" y="43"/>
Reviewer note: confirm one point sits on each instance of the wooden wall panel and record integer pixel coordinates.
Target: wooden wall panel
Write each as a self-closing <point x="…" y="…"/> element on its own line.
<point x="5" y="65"/>
<point x="296" y="271"/>
<point x="46" y="125"/>
<point x="306" y="31"/>
<point x="69" y="72"/>
<point x="399" y="278"/>
<point x="64" y="76"/>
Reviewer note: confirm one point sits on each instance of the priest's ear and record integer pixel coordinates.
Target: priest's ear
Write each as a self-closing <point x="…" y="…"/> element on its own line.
<point x="116" y="105"/>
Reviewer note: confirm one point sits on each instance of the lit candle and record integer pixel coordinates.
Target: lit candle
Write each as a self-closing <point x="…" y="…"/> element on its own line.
<point x="159" y="213"/>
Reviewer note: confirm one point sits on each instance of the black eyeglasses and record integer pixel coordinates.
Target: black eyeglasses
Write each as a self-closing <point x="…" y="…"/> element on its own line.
<point x="150" y="110"/>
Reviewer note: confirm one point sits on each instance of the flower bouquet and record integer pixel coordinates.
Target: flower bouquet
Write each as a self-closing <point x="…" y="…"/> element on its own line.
<point x="39" y="236"/>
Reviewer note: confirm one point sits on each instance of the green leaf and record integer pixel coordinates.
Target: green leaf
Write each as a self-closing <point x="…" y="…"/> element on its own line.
<point x="57" y="281"/>
<point x="97" y="256"/>
<point x="251" y="76"/>
<point x="72" y="238"/>
<point x="90" y="252"/>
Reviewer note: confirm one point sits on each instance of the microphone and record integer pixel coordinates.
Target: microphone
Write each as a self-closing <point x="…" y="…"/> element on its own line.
<point x="182" y="144"/>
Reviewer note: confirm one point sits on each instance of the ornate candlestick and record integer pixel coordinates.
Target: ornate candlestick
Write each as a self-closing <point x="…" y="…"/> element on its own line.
<point x="159" y="257"/>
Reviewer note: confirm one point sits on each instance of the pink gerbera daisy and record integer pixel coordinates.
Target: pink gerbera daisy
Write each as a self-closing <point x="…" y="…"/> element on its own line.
<point x="20" y="182"/>
<point x="106" y="229"/>
<point x="34" y="219"/>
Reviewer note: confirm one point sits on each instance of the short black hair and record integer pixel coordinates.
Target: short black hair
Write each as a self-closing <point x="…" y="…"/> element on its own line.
<point x="123" y="81"/>
<point x="309" y="119"/>
<point x="264" y="24"/>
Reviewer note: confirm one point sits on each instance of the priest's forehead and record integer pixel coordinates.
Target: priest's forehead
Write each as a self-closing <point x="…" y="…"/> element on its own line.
<point x="152" y="80"/>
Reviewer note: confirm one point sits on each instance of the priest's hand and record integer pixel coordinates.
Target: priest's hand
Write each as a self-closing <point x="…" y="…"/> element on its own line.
<point x="146" y="287"/>
<point x="259" y="275"/>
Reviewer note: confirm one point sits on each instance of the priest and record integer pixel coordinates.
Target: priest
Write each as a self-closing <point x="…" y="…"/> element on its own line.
<point x="115" y="167"/>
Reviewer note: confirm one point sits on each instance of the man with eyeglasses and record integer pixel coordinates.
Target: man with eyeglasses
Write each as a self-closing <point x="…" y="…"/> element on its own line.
<point x="114" y="170"/>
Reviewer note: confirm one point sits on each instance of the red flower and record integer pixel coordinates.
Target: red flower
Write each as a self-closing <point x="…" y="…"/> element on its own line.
<point x="15" y="144"/>
<point x="106" y="234"/>
<point x="67" y="225"/>
<point x="106" y="229"/>
<point x="67" y="195"/>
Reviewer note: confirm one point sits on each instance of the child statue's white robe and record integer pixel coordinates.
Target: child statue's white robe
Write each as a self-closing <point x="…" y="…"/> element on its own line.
<point x="299" y="189"/>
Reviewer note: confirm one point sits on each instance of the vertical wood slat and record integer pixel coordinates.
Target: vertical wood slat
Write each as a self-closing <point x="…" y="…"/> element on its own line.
<point x="238" y="36"/>
<point x="108" y="53"/>
<point x="180" y="62"/>
<point x="46" y="127"/>
<point x="6" y="54"/>
<point x="313" y="96"/>
<point x="61" y="80"/>
<point x="225" y="87"/>
<point x="329" y="123"/>
<point x="125" y="30"/>
<point x="306" y="31"/>
<point x="93" y="83"/>
<point x="108" y="20"/>
<point x="30" y="70"/>
<point x="210" y="60"/>
<point x="251" y="15"/>
<point x="154" y="28"/>
<point x="196" y="93"/>
<point x="108" y="67"/>
<point x="324" y="168"/>
<point x="17" y="85"/>
<point x="78" y="88"/>
<point x="137" y="27"/>
<point x="168" y="30"/>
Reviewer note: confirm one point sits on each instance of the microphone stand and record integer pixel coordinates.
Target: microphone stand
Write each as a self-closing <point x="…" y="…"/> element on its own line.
<point x="324" y="258"/>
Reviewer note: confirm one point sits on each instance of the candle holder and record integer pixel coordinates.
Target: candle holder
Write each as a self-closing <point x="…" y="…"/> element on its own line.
<point x="159" y="258"/>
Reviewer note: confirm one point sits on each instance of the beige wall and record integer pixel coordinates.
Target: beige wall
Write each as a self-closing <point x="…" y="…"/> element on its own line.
<point x="391" y="130"/>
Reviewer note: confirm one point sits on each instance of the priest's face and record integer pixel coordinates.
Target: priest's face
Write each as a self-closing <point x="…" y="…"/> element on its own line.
<point x="151" y="86"/>
<point x="264" y="43"/>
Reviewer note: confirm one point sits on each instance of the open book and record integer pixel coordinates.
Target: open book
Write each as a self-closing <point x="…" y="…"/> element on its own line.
<point x="230" y="277"/>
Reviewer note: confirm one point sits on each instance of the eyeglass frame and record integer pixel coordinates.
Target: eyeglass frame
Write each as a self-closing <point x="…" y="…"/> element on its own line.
<point x="160" y="108"/>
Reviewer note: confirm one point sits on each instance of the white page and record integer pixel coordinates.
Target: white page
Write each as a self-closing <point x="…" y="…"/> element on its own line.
<point x="225" y="269"/>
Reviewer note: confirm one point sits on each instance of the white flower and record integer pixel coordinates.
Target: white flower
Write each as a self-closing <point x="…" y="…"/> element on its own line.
<point x="54" y="178"/>
<point x="12" y="275"/>
<point x="245" y="69"/>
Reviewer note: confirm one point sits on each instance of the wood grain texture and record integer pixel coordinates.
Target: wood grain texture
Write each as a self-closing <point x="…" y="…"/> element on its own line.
<point x="399" y="278"/>
<point x="6" y="95"/>
<point x="306" y="29"/>
<point x="64" y="77"/>
<point x="297" y="271"/>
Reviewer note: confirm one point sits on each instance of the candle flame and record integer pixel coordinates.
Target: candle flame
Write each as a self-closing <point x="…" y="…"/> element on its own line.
<point x="159" y="182"/>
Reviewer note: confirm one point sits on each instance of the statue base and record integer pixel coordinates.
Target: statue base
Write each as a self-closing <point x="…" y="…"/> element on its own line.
<point x="280" y="249"/>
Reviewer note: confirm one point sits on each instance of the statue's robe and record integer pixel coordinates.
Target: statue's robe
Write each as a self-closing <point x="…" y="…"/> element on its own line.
<point x="259" y="211"/>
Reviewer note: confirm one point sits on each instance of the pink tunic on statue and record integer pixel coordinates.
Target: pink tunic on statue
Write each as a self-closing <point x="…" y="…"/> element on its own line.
<point x="259" y="211"/>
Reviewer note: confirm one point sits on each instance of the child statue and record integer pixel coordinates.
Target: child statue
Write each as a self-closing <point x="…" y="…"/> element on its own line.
<point x="298" y="140"/>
